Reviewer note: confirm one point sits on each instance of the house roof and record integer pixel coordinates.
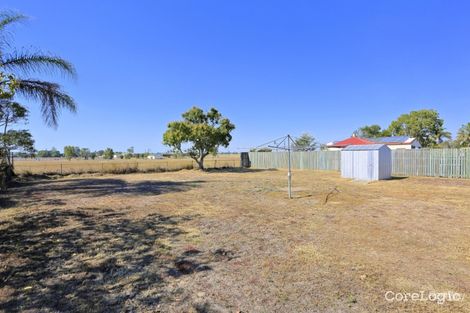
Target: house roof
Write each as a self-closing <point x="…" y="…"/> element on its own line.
<point x="394" y="139"/>
<point x="351" y="141"/>
<point x="365" y="147"/>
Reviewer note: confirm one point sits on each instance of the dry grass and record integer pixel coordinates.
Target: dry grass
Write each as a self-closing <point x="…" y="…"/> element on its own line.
<point x="231" y="241"/>
<point x="79" y="166"/>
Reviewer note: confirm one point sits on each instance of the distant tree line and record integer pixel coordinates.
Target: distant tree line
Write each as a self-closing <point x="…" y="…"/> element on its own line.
<point x="73" y="152"/>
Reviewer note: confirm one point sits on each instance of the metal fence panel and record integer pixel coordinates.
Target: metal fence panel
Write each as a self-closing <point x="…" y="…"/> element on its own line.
<point x="454" y="163"/>
<point x="315" y="160"/>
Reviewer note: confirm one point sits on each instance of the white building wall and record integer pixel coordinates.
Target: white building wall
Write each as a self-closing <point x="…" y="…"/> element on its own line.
<point x="333" y="149"/>
<point x="347" y="169"/>
<point x="406" y="146"/>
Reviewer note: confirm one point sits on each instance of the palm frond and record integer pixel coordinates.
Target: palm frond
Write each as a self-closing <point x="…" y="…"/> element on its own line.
<point x="51" y="97"/>
<point x="7" y="18"/>
<point x="27" y="62"/>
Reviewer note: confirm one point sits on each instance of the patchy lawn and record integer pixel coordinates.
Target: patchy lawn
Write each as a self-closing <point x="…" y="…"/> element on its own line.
<point x="229" y="241"/>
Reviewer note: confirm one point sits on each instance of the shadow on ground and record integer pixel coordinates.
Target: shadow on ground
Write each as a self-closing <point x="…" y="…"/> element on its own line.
<point x="89" y="260"/>
<point x="6" y="202"/>
<point x="97" y="187"/>
<point x="34" y="192"/>
<point x="238" y="170"/>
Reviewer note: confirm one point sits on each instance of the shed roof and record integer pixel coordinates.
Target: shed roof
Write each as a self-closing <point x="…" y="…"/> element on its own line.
<point x="365" y="147"/>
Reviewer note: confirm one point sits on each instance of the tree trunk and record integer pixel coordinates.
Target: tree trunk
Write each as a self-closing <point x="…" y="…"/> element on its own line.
<point x="200" y="163"/>
<point x="200" y="159"/>
<point x="6" y="170"/>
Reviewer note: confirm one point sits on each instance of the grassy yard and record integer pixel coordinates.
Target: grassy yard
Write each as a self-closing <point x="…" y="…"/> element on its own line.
<point x="229" y="241"/>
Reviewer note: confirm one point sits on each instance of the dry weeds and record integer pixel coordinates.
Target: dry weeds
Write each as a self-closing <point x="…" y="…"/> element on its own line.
<point x="228" y="241"/>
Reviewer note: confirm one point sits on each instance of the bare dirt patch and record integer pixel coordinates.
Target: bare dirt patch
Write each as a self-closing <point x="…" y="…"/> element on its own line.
<point x="228" y="241"/>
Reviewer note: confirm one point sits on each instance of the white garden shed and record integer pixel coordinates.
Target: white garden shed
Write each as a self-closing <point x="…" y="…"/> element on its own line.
<point x="366" y="162"/>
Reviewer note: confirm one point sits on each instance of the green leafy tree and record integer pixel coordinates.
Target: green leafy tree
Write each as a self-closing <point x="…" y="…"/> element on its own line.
<point x="372" y="131"/>
<point x="130" y="153"/>
<point x="70" y="152"/>
<point x="43" y="154"/>
<point x="305" y="142"/>
<point x="85" y="153"/>
<point x="11" y="113"/>
<point x="54" y="153"/>
<point x="425" y="125"/>
<point x="18" y="140"/>
<point x="108" y="154"/>
<point x="203" y="132"/>
<point x="463" y="136"/>
<point x="448" y="144"/>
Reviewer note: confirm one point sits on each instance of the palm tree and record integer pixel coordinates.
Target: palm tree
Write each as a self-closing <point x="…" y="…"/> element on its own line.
<point x="439" y="134"/>
<point x="17" y="66"/>
<point x="463" y="136"/>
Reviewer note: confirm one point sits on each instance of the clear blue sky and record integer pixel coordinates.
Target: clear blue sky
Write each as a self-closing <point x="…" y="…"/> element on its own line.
<point x="272" y="67"/>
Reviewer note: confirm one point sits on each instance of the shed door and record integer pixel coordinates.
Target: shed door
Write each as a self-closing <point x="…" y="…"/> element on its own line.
<point x="370" y="164"/>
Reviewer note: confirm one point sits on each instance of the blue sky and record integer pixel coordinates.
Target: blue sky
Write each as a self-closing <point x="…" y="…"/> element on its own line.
<point x="272" y="67"/>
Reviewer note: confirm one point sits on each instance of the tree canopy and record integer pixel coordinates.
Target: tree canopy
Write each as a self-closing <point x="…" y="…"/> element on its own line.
<point x="203" y="133"/>
<point x="71" y="152"/>
<point x="305" y="142"/>
<point x="425" y="125"/>
<point x="108" y="154"/>
<point x="53" y="153"/>
<point x="18" y="140"/>
<point x="10" y="113"/>
<point x="372" y="131"/>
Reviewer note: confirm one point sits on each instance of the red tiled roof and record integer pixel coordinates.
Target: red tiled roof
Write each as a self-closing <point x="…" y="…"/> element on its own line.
<point x="351" y="141"/>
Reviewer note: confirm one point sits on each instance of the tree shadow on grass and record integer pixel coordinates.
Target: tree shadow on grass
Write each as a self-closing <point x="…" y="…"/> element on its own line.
<point x="97" y="187"/>
<point x="34" y="192"/>
<point x="6" y="202"/>
<point x="89" y="260"/>
<point x="237" y="170"/>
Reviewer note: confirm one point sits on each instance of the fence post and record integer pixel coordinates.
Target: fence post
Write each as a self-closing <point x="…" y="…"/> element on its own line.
<point x="61" y="169"/>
